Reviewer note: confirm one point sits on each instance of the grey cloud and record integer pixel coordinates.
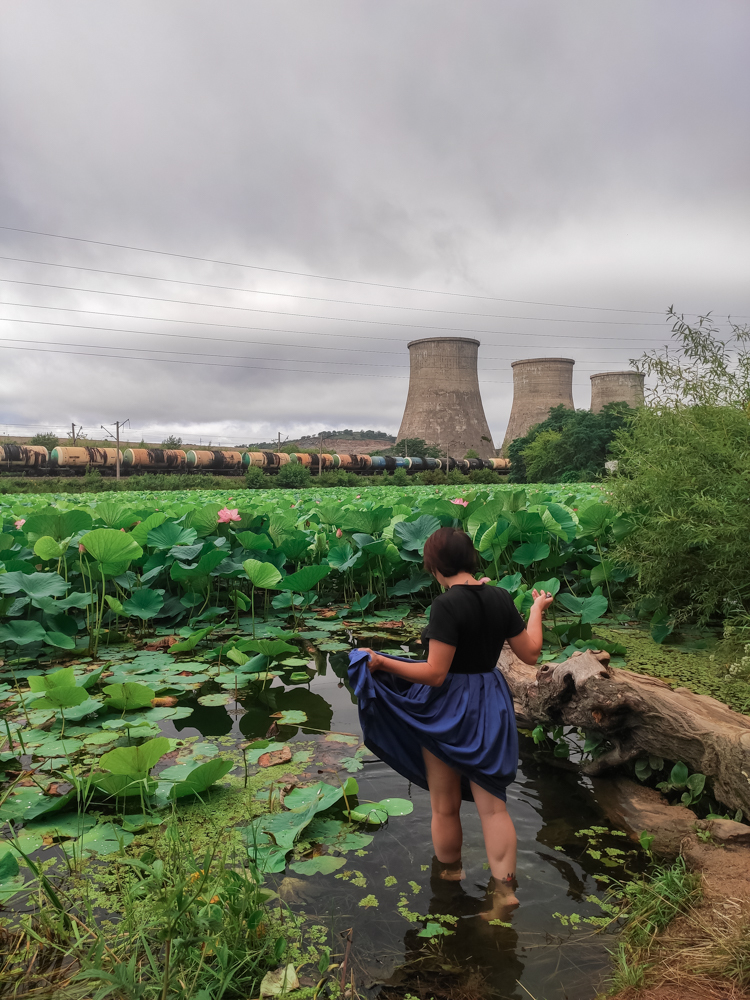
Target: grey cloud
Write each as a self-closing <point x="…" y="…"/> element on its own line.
<point x="580" y="153"/>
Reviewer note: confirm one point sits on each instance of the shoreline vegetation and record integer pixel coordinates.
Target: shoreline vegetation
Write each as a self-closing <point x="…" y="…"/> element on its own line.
<point x="206" y="594"/>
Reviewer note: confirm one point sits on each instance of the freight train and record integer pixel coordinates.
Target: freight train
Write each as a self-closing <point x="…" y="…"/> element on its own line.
<point x="36" y="460"/>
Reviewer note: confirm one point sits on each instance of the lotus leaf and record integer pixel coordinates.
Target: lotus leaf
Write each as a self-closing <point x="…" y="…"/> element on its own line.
<point x="589" y="608"/>
<point x="304" y="579"/>
<point x="291" y="717"/>
<point x="254" y="543"/>
<point x="24" y="804"/>
<point x="128" y="696"/>
<point x="56" y="524"/>
<point x="261" y="574"/>
<point x="203" y="520"/>
<point x="135" y="760"/>
<point x="324" y="864"/>
<point x="140" y="532"/>
<point x="414" y="534"/>
<point x="33" y="584"/>
<point x="191" y="641"/>
<point x="164" y="536"/>
<point x="374" y="815"/>
<point x="192" y="779"/>
<point x="396" y="807"/>
<point x="60" y="639"/>
<point x="215" y="700"/>
<point x="144" y="603"/>
<point x="268" y="647"/>
<point x="106" y="838"/>
<point x="412" y="585"/>
<point x="47" y="548"/>
<point x="22" y="633"/>
<point x="110" y="547"/>
<point x="530" y="552"/>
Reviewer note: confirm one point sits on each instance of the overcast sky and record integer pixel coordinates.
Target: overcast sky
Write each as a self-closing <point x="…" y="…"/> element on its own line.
<point x="553" y="162"/>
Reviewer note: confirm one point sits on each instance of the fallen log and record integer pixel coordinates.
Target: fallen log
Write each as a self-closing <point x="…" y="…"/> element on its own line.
<point x="638" y="716"/>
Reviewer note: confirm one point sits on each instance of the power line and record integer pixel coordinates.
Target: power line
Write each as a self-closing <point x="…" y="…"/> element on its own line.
<point x="324" y="277"/>
<point x="261" y="291"/>
<point x="335" y="319"/>
<point x="238" y="357"/>
<point x="270" y="329"/>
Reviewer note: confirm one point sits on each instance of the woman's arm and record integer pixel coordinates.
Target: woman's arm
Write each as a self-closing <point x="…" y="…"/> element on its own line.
<point x="431" y="671"/>
<point x="527" y="645"/>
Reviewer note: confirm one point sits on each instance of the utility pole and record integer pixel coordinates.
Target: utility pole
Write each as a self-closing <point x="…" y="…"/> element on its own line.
<point x="73" y="433"/>
<point x="279" y="445"/>
<point x="119" y="424"/>
<point x="320" y="454"/>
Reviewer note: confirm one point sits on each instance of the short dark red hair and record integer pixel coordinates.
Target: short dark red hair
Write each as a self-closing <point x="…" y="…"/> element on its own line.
<point x="450" y="551"/>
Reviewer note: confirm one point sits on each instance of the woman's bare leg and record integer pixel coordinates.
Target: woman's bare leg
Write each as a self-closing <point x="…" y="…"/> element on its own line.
<point x="499" y="834"/>
<point x="445" y="799"/>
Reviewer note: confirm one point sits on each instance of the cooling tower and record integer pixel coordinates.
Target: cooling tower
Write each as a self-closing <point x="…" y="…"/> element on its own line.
<point x="444" y="406"/>
<point x="616" y="387"/>
<point x="538" y="385"/>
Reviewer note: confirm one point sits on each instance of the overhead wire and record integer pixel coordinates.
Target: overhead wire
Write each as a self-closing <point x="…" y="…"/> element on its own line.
<point x="324" y="277"/>
<point x="288" y="295"/>
<point x="334" y="319"/>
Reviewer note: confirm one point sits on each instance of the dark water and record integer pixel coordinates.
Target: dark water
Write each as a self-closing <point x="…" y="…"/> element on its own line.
<point x="537" y="956"/>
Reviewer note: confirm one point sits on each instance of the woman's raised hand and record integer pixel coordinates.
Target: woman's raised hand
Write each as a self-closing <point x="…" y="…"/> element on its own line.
<point x="374" y="661"/>
<point x="542" y="598"/>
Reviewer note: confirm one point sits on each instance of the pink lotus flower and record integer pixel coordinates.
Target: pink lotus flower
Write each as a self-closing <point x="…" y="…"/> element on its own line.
<point x="339" y="532"/>
<point x="81" y="547"/>
<point x="484" y="579"/>
<point x="20" y="522"/>
<point x="226" y="515"/>
<point x="464" y="503"/>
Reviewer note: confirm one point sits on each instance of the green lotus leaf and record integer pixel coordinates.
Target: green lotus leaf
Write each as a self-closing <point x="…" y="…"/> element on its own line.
<point x="268" y="647"/>
<point x="414" y="534"/>
<point x="375" y="815"/>
<point x="140" y="532"/>
<point x="56" y="524"/>
<point x="33" y="584"/>
<point x="143" y="603"/>
<point x="205" y="520"/>
<point x="123" y="785"/>
<point x="304" y="579"/>
<point x="530" y="552"/>
<point x="22" y="633"/>
<point x="164" y="536"/>
<point x="60" y="639"/>
<point x="63" y="697"/>
<point x="254" y="543"/>
<point x="412" y="585"/>
<point x="191" y="641"/>
<point x="261" y="574"/>
<point x="396" y="807"/>
<point x="215" y="700"/>
<point x="324" y="864"/>
<point x="106" y="838"/>
<point x="128" y="696"/>
<point x="109" y="546"/>
<point x="47" y="548"/>
<point x="594" y="519"/>
<point x="24" y="804"/>
<point x="299" y="677"/>
<point x="114" y="515"/>
<point x="291" y="717"/>
<point x="551" y="586"/>
<point x="189" y="779"/>
<point x="135" y="760"/>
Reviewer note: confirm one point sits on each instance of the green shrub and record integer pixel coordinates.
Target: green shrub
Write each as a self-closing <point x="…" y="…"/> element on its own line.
<point x="683" y="476"/>
<point x="292" y="476"/>
<point x="48" y="440"/>
<point x="569" y="446"/>
<point x="255" y="478"/>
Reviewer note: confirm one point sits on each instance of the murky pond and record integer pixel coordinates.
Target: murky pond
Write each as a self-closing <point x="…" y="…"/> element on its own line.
<point x="535" y="956"/>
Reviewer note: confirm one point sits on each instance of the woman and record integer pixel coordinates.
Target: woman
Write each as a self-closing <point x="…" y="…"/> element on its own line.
<point x="447" y="723"/>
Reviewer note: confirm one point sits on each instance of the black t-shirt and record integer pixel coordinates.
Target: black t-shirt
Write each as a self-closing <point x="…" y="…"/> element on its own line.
<point x="476" y="620"/>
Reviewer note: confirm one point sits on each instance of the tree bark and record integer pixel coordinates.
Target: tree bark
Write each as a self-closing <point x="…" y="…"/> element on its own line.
<point x="638" y="716"/>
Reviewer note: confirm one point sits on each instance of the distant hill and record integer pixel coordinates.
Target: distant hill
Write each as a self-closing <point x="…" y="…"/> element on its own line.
<point x="345" y="442"/>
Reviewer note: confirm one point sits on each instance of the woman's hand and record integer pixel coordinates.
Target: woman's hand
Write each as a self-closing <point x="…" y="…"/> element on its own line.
<point x="542" y="599"/>
<point x="375" y="661"/>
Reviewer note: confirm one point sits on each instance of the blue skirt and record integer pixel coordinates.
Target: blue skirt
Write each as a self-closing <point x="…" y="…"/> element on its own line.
<point x="468" y="723"/>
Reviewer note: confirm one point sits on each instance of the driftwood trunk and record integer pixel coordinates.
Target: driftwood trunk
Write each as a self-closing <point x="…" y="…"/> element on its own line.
<point x="638" y="715"/>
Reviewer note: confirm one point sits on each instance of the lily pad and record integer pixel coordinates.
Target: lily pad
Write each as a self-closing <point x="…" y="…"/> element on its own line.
<point x="324" y="864"/>
<point x="215" y="700"/>
<point x="106" y="838"/>
<point x="396" y="807"/>
<point x="290" y="717"/>
<point x="128" y="696"/>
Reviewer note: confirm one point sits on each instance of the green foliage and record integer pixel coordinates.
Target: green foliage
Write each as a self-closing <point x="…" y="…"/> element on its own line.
<point x="48" y="440"/>
<point x="702" y="369"/>
<point x="683" y="476"/>
<point x="569" y="446"/>
<point x="293" y="477"/>
<point x="255" y="478"/>
<point x="172" y="442"/>
<point x="415" y="448"/>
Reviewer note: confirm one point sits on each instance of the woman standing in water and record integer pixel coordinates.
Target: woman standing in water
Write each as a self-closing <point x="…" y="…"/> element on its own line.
<point x="447" y="723"/>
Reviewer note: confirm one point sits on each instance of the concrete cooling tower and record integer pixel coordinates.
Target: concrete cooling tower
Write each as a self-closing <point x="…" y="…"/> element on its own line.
<point x="616" y="387"/>
<point x="444" y="405"/>
<point x="538" y="385"/>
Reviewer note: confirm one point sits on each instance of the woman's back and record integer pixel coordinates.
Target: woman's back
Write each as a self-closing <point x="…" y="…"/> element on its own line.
<point x="477" y="620"/>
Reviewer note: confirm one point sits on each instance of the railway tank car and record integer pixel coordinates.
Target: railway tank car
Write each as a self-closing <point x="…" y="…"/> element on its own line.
<point x="81" y="458"/>
<point x="23" y="456"/>
<point x="214" y="461"/>
<point x="266" y="459"/>
<point x="155" y="459"/>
